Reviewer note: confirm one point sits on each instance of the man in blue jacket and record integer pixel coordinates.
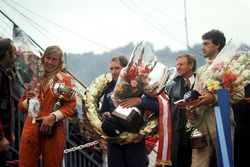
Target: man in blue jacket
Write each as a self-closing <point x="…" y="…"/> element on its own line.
<point x="126" y="155"/>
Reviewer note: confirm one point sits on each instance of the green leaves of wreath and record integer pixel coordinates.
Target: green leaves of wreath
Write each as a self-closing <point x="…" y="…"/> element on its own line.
<point x="91" y="101"/>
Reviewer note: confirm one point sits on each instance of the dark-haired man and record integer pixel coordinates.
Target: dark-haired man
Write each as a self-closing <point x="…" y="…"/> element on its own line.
<point x="7" y="58"/>
<point x="212" y="43"/>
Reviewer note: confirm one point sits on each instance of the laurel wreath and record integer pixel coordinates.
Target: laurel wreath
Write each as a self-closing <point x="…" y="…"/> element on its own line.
<point x="91" y="101"/>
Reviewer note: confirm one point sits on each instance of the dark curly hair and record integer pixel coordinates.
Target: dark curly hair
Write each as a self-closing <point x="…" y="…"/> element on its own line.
<point x="216" y="36"/>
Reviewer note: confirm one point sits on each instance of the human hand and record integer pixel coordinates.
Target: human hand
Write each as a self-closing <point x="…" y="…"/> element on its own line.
<point x="191" y="116"/>
<point x="13" y="138"/>
<point x="130" y="102"/>
<point x="139" y="138"/>
<point x="10" y="73"/>
<point x="47" y="123"/>
<point x="29" y="91"/>
<point x="106" y="115"/>
<point x="206" y="99"/>
<point x="4" y="145"/>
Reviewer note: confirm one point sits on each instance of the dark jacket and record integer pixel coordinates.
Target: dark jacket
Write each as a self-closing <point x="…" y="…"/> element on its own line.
<point x="107" y="104"/>
<point x="242" y="130"/>
<point x="5" y="104"/>
<point x="110" y="126"/>
<point x="242" y="114"/>
<point x="147" y="103"/>
<point x="176" y="90"/>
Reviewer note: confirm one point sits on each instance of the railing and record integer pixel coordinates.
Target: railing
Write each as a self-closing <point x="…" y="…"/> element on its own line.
<point x="79" y="158"/>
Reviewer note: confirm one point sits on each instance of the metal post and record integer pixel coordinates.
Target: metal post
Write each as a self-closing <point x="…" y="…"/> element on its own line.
<point x="186" y="28"/>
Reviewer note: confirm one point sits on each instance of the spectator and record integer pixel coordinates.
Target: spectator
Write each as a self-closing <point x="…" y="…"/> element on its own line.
<point x="7" y="58"/>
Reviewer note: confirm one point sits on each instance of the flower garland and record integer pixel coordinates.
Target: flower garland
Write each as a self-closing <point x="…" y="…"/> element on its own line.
<point x="91" y="108"/>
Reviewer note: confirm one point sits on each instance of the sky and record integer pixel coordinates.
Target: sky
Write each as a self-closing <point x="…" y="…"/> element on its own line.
<point x="101" y="25"/>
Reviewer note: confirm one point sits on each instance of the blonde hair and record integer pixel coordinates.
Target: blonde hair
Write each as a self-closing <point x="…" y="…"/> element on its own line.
<point x="54" y="49"/>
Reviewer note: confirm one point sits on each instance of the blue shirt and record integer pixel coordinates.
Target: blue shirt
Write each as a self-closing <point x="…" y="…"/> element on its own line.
<point x="147" y="102"/>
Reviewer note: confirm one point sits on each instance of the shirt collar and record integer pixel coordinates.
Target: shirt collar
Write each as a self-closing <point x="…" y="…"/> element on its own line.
<point x="191" y="80"/>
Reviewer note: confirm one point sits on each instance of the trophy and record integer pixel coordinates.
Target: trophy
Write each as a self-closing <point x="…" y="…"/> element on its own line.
<point x="63" y="92"/>
<point x="198" y="139"/>
<point x="190" y="98"/>
<point x="129" y="118"/>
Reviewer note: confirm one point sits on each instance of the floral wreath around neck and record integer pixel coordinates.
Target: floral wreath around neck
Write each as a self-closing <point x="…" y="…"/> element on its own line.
<point x="90" y="106"/>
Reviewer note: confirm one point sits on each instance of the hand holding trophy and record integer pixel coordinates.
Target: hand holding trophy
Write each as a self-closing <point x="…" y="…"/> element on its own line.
<point x="63" y="92"/>
<point x="144" y="75"/>
<point x="190" y="99"/>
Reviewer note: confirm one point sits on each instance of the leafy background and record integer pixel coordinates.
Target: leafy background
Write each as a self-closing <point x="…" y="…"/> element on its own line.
<point x="87" y="66"/>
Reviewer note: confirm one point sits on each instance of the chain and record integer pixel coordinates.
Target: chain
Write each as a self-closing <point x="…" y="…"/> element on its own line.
<point x="81" y="146"/>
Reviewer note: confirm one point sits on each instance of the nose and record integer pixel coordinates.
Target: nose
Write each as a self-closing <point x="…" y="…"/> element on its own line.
<point x="113" y="72"/>
<point x="49" y="61"/>
<point x="202" y="47"/>
<point x="14" y="58"/>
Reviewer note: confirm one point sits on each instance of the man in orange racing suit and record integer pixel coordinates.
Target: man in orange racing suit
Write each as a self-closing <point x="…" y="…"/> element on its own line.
<point x="45" y="138"/>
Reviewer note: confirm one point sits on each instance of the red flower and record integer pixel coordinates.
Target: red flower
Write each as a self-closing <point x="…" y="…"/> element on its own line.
<point x="133" y="83"/>
<point x="228" y="79"/>
<point x="146" y="70"/>
<point x="132" y="72"/>
<point x="218" y="66"/>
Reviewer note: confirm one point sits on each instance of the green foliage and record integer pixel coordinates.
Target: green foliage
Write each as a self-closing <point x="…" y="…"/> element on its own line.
<point x="88" y="66"/>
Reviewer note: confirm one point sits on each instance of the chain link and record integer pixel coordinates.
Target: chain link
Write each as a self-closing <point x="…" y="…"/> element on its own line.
<point x="81" y="146"/>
